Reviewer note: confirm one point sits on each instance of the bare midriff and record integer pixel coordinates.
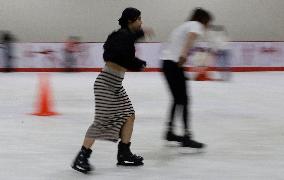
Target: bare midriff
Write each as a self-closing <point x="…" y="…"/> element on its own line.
<point x="115" y="67"/>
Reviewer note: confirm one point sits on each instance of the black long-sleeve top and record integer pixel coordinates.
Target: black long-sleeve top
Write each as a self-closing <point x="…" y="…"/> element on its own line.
<point x="119" y="48"/>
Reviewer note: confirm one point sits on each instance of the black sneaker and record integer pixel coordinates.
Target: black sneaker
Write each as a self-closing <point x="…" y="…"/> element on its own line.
<point x="172" y="137"/>
<point x="188" y="142"/>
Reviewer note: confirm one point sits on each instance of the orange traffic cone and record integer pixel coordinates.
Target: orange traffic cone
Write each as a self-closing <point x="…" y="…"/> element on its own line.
<point x="44" y="106"/>
<point x="203" y="75"/>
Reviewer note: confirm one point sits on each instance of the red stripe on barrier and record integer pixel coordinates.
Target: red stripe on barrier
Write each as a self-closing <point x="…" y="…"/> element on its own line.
<point x="190" y="69"/>
<point x="254" y="69"/>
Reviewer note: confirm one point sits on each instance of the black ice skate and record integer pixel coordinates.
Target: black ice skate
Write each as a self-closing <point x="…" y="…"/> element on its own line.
<point x="170" y="136"/>
<point x="81" y="162"/>
<point x="188" y="142"/>
<point x="125" y="156"/>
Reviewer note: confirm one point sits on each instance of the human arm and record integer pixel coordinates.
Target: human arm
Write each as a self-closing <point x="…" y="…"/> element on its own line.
<point x="190" y="39"/>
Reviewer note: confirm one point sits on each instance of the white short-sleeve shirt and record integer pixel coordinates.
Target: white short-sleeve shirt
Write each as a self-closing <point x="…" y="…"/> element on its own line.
<point x="173" y="47"/>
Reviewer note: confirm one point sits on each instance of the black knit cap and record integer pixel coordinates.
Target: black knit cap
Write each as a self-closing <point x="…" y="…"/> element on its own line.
<point x="129" y="14"/>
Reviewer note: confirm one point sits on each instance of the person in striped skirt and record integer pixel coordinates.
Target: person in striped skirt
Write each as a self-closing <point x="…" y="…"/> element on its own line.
<point x="114" y="113"/>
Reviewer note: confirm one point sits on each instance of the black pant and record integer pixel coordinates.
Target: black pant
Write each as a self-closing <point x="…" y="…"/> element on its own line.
<point x="177" y="83"/>
<point x="8" y="62"/>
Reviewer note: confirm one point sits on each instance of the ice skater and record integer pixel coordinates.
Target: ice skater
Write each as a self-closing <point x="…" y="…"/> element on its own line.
<point x="219" y="41"/>
<point x="114" y="114"/>
<point x="8" y="49"/>
<point x="174" y="56"/>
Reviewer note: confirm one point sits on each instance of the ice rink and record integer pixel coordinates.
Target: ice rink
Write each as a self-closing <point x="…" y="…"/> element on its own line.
<point x="241" y="121"/>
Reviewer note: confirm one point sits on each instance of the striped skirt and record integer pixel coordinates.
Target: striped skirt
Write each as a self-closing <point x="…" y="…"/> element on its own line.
<point x="112" y="106"/>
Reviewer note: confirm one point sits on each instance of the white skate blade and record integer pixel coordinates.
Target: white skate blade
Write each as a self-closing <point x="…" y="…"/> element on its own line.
<point x="79" y="169"/>
<point x="188" y="150"/>
<point x="171" y="144"/>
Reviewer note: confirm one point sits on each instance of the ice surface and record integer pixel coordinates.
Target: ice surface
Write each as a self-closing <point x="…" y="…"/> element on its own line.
<point x="241" y="121"/>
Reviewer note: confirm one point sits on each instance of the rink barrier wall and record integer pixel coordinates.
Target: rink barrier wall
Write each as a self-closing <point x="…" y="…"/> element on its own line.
<point x="49" y="57"/>
<point x="189" y="69"/>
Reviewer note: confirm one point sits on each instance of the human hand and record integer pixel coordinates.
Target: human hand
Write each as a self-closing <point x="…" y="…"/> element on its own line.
<point x="148" y="31"/>
<point x="181" y="61"/>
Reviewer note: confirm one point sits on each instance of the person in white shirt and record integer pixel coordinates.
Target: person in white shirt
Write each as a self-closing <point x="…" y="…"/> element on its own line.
<point x="174" y="56"/>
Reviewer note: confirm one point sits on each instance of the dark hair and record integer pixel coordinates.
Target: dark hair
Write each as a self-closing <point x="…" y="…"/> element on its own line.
<point x="7" y="37"/>
<point x="201" y="15"/>
<point x="129" y="14"/>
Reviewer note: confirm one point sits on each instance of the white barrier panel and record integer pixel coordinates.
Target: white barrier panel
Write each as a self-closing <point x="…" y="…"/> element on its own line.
<point x="260" y="54"/>
<point x="51" y="55"/>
